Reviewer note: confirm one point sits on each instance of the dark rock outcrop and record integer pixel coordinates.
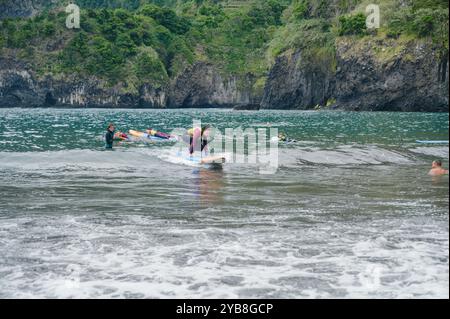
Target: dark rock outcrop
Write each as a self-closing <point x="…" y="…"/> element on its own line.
<point x="199" y="86"/>
<point x="389" y="76"/>
<point x="203" y="86"/>
<point x="371" y="75"/>
<point x="293" y="85"/>
<point x="17" y="86"/>
<point x="20" y="87"/>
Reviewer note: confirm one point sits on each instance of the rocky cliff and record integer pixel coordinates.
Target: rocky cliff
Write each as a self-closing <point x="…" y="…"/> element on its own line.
<point x="296" y="85"/>
<point x="200" y="85"/>
<point x="370" y="75"/>
<point x="392" y="77"/>
<point x="388" y="75"/>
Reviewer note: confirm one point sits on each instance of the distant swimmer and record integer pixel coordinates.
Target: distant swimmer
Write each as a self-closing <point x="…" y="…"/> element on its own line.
<point x="437" y="170"/>
<point x="109" y="136"/>
<point x="283" y="138"/>
<point x="198" y="139"/>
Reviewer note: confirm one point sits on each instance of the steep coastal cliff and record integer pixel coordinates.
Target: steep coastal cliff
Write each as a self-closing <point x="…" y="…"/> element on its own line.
<point x="198" y="86"/>
<point x="146" y="59"/>
<point x="370" y="75"/>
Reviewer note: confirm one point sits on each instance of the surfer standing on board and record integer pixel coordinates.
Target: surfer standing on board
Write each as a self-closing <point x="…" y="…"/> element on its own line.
<point x="437" y="170"/>
<point x="197" y="139"/>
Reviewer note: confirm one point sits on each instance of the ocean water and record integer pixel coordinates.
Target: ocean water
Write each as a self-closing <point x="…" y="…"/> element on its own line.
<point x="350" y="213"/>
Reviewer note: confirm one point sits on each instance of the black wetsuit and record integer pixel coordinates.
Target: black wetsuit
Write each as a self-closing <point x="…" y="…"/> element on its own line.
<point x="188" y="139"/>
<point x="109" y="137"/>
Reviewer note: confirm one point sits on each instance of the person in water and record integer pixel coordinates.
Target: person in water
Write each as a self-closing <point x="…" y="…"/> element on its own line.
<point x="156" y="133"/>
<point x="283" y="138"/>
<point x="437" y="170"/>
<point x="109" y="136"/>
<point x="120" y="136"/>
<point x="197" y="139"/>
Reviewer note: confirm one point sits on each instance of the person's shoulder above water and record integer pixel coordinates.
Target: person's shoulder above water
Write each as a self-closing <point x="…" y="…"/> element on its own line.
<point x="437" y="169"/>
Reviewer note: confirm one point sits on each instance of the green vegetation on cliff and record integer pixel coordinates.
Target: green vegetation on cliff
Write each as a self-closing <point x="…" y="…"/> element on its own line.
<point x="136" y="41"/>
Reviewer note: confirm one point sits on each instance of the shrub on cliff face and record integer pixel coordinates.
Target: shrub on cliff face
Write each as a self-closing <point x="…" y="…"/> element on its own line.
<point x="209" y="17"/>
<point x="426" y="22"/>
<point x="150" y="68"/>
<point x="352" y="25"/>
<point x="74" y="54"/>
<point x="266" y="13"/>
<point x="104" y="59"/>
<point x="307" y="9"/>
<point x="48" y="29"/>
<point x="429" y="4"/>
<point x="126" y="46"/>
<point x="167" y="18"/>
<point x="301" y="9"/>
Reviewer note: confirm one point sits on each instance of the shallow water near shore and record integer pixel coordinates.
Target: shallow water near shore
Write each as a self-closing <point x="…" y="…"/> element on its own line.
<point x="350" y="213"/>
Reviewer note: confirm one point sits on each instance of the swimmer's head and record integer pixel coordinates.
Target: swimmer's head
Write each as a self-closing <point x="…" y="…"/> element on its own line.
<point x="437" y="164"/>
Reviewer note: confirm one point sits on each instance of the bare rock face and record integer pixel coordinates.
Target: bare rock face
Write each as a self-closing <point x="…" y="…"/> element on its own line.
<point x="199" y="86"/>
<point x="371" y="75"/>
<point x="202" y="86"/>
<point x="388" y="76"/>
<point x="293" y="85"/>
<point x="19" y="87"/>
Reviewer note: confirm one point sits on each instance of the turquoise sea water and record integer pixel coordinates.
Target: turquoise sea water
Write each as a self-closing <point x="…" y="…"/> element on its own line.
<point x="350" y="212"/>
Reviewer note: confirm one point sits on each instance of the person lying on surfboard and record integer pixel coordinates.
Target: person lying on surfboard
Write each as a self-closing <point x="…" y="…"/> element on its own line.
<point x="437" y="170"/>
<point x="155" y="133"/>
<point x="120" y="136"/>
<point x="197" y="139"/>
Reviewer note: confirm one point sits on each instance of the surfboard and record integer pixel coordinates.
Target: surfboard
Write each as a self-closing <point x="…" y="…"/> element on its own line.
<point x="213" y="160"/>
<point x="432" y="142"/>
<point x="208" y="160"/>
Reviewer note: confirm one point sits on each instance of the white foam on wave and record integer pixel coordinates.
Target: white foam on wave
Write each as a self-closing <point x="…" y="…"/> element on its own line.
<point x="147" y="257"/>
<point x="439" y="151"/>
